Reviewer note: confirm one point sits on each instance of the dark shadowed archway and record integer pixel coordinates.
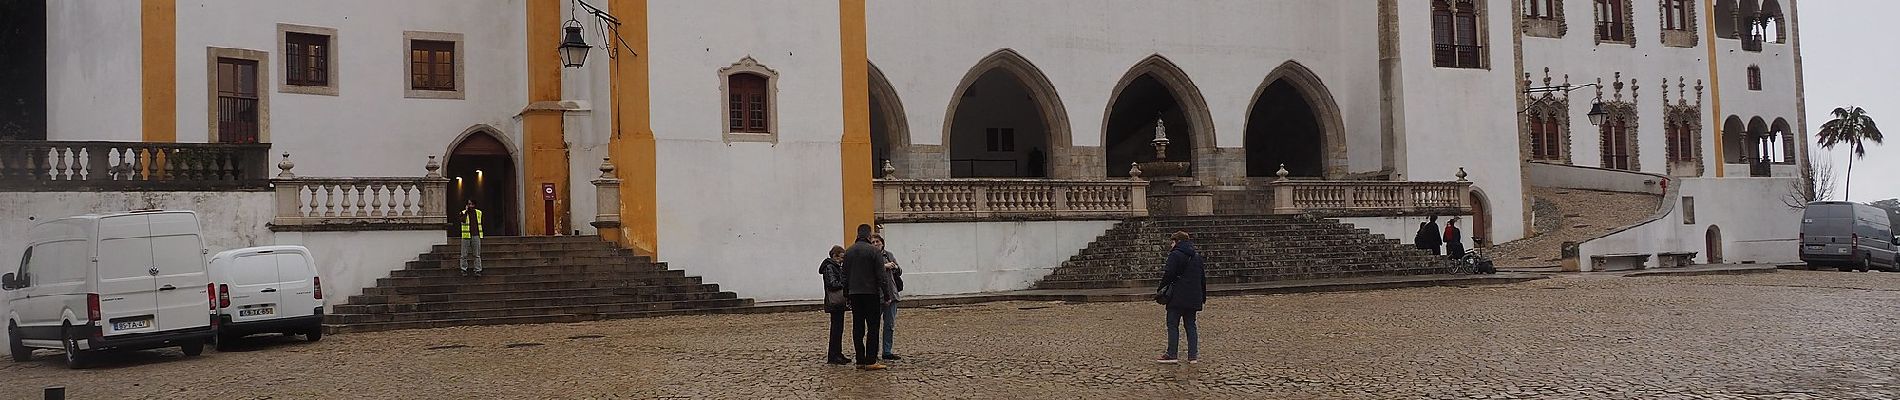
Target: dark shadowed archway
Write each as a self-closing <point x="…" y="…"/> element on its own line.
<point x="1294" y="122"/>
<point x="481" y="166"/>
<point x="1007" y="121"/>
<point x="1156" y="89"/>
<point x="890" y="130"/>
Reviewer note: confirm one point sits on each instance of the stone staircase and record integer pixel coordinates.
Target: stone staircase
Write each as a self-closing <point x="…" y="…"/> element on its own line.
<point x="1241" y="249"/>
<point x="528" y="280"/>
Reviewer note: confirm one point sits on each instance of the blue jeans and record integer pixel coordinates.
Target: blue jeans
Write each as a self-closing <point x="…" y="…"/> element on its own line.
<point x="890" y="324"/>
<point x="1175" y="317"/>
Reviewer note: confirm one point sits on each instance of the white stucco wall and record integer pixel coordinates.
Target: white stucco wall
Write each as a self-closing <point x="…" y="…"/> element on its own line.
<point x="351" y="261"/>
<point x="92" y="70"/>
<point x="748" y="216"/>
<point x="1574" y="177"/>
<point x="1227" y="47"/>
<point x="1755" y="225"/>
<point x="972" y="257"/>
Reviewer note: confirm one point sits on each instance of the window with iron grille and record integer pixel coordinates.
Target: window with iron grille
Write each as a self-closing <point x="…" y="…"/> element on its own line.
<point x="748" y="108"/>
<point x="1613" y="21"/>
<point x="1541" y="9"/>
<point x="432" y="65"/>
<point x="1546" y="136"/>
<point x="306" y="59"/>
<point x="1616" y="144"/>
<point x="237" y="101"/>
<point x="1677" y="16"/>
<point x="1457" y="36"/>
<point x="1754" y="77"/>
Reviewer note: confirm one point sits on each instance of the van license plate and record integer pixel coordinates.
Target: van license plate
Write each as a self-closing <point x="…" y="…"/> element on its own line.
<point x="257" y="311"/>
<point x="130" y="325"/>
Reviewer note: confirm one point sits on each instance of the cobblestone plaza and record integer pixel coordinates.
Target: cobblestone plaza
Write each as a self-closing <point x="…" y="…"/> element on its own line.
<point x="1785" y="335"/>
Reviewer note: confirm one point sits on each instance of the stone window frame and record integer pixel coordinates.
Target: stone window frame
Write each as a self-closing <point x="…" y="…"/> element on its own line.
<point x="262" y="58"/>
<point x="331" y="85"/>
<point x="749" y="65"/>
<point x="1680" y="115"/>
<point x="1482" y="29"/>
<point x="1683" y="38"/>
<point x="461" y="66"/>
<point x="1688" y="210"/>
<point x="1626" y="112"/>
<point x="1628" y="22"/>
<point x="1554" y="107"/>
<point x="1553" y="27"/>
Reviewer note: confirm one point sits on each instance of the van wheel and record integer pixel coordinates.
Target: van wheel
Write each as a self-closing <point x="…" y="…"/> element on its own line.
<point x="314" y="334"/>
<point x="17" y="345"/>
<point x="193" y="348"/>
<point x="75" y="358"/>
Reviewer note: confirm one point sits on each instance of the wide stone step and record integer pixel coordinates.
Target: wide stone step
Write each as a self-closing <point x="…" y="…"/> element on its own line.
<point x="537" y="239"/>
<point x="1302" y="254"/>
<point x="487" y="254"/>
<point x="539" y="319"/>
<point x="531" y="294"/>
<point x="529" y="262"/>
<point x="550" y="269"/>
<point x="494" y="287"/>
<point x="526" y="278"/>
<point x="1070" y="274"/>
<point x="476" y="305"/>
<point x="455" y="246"/>
<point x="344" y="319"/>
<point x="1155" y="281"/>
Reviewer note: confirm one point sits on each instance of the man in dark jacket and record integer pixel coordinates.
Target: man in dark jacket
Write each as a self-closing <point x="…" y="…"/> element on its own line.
<point x="1427" y="237"/>
<point x="868" y="288"/>
<point x="1186" y="276"/>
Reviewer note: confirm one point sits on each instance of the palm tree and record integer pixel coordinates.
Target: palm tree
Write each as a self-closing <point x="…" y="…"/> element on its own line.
<point x="1852" y="126"/>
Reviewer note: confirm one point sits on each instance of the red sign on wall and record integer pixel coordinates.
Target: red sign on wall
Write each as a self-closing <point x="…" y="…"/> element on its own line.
<point x="547" y="191"/>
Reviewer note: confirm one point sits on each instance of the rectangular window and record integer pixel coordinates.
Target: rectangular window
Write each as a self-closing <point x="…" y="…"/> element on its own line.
<point x="747" y="109"/>
<point x="237" y="101"/>
<point x="1754" y="78"/>
<point x="432" y="65"/>
<point x="306" y="59"/>
<point x="1610" y="21"/>
<point x="1616" y="145"/>
<point x="1000" y="139"/>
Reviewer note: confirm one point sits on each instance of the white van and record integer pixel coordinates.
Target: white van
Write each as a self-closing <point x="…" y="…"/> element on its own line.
<point x="270" y="289"/>
<point x="120" y="281"/>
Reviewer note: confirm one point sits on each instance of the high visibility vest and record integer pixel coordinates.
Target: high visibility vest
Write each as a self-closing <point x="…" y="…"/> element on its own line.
<point x="475" y="228"/>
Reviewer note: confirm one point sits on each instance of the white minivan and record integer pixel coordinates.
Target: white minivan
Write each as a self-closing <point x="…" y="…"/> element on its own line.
<point x="119" y="281"/>
<point x="270" y="289"/>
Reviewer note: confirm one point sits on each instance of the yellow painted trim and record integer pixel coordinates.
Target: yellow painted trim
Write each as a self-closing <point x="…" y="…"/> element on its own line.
<point x="546" y="158"/>
<point x="1715" y="91"/>
<point x="632" y="146"/>
<point x="158" y="70"/>
<point x="855" y="147"/>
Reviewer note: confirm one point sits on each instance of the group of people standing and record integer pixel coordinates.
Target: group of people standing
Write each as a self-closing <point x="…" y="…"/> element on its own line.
<point x="865" y="280"/>
<point x="1451" y="240"/>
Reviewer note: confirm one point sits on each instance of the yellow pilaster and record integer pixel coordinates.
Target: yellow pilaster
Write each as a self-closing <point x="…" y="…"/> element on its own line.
<point x="855" y="147"/>
<point x="1715" y="90"/>
<point x="158" y="73"/>
<point x="632" y="148"/>
<point x="546" y="156"/>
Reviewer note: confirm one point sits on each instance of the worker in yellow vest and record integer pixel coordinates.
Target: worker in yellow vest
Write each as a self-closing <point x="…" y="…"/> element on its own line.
<point x="471" y="239"/>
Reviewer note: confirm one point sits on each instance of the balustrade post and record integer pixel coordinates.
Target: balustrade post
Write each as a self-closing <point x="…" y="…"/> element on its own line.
<point x="890" y="196"/>
<point x="289" y="194"/>
<point x="607" y="202"/>
<point x="1283" y="198"/>
<point x="980" y="204"/>
<point x="1352" y="197"/>
<point x="1408" y="202"/>
<point x="434" y="190"/>
<point x="1138" y="198"/>
<point x="97" y="163"/>
<point x="1061" y="201"/>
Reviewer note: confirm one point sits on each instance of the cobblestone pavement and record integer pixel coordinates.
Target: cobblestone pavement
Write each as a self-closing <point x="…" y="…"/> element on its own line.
<point x="1786" y="335"/>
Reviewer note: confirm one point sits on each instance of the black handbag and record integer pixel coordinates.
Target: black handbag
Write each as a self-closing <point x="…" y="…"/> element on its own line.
<point x="1164" y="294"/>
<point x="836" y="299"/>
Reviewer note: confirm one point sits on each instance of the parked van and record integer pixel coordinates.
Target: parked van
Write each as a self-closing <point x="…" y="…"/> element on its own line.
<point x="1849" y="236"/>
<point x="120" y="281"/>
<point x="271" y="289"/>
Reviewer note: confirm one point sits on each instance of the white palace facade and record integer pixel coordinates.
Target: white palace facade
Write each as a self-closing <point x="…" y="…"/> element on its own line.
<point x="992" y="139"/>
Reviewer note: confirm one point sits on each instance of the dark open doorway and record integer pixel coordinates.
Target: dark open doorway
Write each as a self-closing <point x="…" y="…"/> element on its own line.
<point x="1131" y="125"/>
<point x="23" y="70"/>
<point x="481" y="168"/>
<point x="1283" y="130"/>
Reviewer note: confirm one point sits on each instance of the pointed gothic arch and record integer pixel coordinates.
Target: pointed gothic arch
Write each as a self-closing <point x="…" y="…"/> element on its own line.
<point x="1293" y="119"/>
<point x="1154" y="86"/>
<point x="481" y="165"/>
<point x="1009" y="71"/>
<point x="890" y="129"/>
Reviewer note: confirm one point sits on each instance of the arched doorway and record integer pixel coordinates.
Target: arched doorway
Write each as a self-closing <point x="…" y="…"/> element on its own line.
<point x="1156" y="89"/>
<point x="1480" y="220"/>
<point x="1294" y="122"/>
<point x="482" y="167"/>
<point x="1006" y="121"/>
<point x="890" y="132"/>
<point x="1712" y="245"/>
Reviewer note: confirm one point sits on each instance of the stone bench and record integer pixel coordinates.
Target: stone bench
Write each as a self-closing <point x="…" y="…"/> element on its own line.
<point x="1675" y="259"/>
<point x="1618" y="262"/>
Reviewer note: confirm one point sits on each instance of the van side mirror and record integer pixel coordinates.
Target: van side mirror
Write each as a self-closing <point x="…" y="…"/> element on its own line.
<point x="6" y="282"/>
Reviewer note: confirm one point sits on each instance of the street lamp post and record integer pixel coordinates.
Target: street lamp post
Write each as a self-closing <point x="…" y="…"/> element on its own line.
<point x="1597" y="113"/>
<point x="574" y="47"/>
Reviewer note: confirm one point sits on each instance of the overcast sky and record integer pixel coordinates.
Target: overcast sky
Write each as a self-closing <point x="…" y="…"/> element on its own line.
<point x="1852" y="57"/>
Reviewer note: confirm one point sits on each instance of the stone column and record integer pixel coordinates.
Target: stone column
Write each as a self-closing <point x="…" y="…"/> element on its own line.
<point x="607" y="202"/>
<point x="435" y="188"/>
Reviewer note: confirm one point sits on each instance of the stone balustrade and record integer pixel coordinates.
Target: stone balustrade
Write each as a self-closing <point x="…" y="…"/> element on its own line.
<point x="360" y="204"/>
<point x="1371" y="198"/>
<point x="32" y="165"/>
<point x="921" y="200"/>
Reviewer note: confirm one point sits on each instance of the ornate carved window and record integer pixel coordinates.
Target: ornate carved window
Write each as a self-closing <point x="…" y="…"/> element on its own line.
<point x="1544" y="18"/>
<point x="749" y="92"/>
<point x="1613" y="22"/>
<point x="1682" y="139"/>
<point x="1457" y="34"/>
<point x="1754" y="77"/>
<point x="1679" y="23"/>
<point x="1549" y="126"/>
<point x="1616" y="137"/>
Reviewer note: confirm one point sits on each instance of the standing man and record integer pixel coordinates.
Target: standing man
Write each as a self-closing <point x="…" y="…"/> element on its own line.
<point x="868" y="286"/>
<point x="895" y="275"/>
<point x="1186" y="278"/>
<point x="471" y="238"/>
<point x="1427" y="237"/>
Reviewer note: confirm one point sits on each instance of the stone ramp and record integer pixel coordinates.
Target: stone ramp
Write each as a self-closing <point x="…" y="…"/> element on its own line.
<point x="1241" y="249"/>
<point x="1571" y="215"/>
<point x="527" y="280"/>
